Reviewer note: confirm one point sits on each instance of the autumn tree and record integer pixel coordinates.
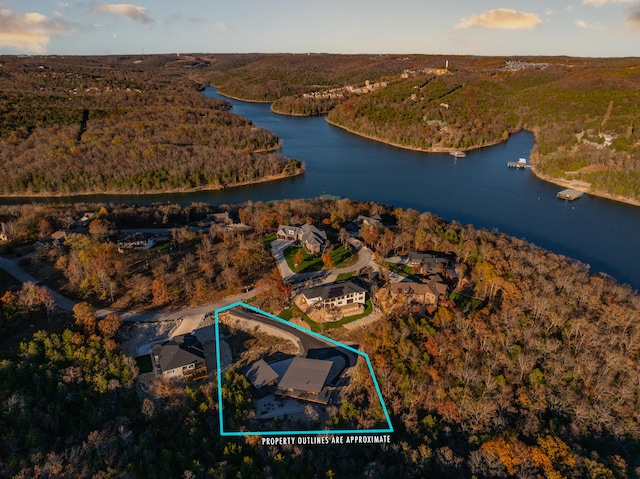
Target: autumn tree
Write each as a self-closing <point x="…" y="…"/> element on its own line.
<point x="85" y="317"/>
<point x="109" y="325"/>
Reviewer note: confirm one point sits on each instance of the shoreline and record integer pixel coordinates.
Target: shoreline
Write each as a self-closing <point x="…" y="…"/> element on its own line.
<point x="406" y="147"/>
<point x="265" y="179"/>
<point x="556" y="181"/>
<point x="239" y="99"/>
<point x="580" y="186"/>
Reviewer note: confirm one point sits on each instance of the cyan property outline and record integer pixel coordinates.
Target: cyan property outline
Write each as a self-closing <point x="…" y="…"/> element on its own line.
<point x="309" y="432"/>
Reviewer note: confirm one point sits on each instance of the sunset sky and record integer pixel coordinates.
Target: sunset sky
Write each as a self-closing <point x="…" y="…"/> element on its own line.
<point x="588" y="28"/>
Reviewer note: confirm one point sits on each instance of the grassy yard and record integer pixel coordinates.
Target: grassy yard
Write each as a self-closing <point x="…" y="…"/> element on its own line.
<point x="344" y="276"/>
<point x="267" y="240"/>
<point x="466" y="303"/>
<point x="402" y="269"/>
<point x="341" y="257"/>
<point x="319" y="327"/>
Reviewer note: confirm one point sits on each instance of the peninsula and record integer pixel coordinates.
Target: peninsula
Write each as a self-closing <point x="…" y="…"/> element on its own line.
<point x="581" y="111"/>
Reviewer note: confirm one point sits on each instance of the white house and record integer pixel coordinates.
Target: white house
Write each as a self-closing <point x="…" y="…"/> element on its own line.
<point x="335" y="295"/>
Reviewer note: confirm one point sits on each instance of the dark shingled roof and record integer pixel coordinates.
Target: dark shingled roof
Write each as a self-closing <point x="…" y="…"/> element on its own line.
<point x="178" y="352"/>
<point x="306" y="374"/>
<point x="330" y="291"/>
<point x="260" y="374"/>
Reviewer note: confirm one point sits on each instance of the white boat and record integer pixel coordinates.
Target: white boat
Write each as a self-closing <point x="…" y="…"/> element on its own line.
<point x="458" y="154"/>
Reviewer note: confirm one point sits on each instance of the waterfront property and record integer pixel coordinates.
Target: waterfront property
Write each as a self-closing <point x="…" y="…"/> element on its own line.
<point x="520" y="164"/>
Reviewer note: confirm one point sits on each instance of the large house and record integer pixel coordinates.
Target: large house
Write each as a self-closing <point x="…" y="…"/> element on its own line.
<point x="427" y="264"/>
<point x="428" y="292"/>
<point x="305" y="378"/>
<point x="310" y="238"/>
<point x="335" y="295"/>
<point x="297" y="378"/>
<point x="182" y="357"/>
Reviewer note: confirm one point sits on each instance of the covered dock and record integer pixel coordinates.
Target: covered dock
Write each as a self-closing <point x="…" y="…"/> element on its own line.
<point x="569" y="194"/>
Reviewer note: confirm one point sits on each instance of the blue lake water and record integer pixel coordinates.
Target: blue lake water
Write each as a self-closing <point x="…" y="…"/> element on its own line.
<point x="477" y="189"/>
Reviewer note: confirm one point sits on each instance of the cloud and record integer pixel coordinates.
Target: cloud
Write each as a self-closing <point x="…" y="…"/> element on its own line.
<point x="133" y="12"/>
<point x="504" y="18"/>
<point x="589" y="26"/>
<point x="217" y="27"/>
<point x="599" y="3"/>
<point x="633" y="17"/>
<point x="30" y="32"/>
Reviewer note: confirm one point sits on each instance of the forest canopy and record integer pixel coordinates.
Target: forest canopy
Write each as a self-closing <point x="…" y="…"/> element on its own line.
<point x="536" y="377"/>
<point x="117" y="124"/>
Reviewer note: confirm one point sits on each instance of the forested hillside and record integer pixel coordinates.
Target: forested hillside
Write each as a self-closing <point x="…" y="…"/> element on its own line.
<point x="582" y="111"/>
<point x="529" y="370"/>
<point x="122" y="124"/>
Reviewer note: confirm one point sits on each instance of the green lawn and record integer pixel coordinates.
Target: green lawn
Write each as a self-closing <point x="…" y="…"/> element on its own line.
<point x="319" y="327"/>
<point x="344" y="276"/>
<point x="341" y="257"/>
<point x="267" y="240"/>
<point x="466" y="303"/>
<point x="403" y="270"/>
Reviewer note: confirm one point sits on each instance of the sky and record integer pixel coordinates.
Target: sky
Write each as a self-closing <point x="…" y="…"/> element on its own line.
<point x="585" y="28"/>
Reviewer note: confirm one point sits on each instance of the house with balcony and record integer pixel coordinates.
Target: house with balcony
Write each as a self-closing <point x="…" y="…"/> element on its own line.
<point x="335" y="295"/>
<point x="181" y="358"/>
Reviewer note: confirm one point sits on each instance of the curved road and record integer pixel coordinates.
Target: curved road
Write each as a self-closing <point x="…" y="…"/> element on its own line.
<point x="12" y="267"/>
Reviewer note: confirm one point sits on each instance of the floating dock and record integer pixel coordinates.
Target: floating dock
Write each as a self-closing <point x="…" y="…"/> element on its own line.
<point x="458" y="154"/>
<point x="521" y="163"/>
<point x="569" y="194"/>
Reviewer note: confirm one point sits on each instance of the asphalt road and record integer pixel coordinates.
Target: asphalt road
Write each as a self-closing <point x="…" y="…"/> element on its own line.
<point x="305" y="340"/>
<point x="12" y="267"/>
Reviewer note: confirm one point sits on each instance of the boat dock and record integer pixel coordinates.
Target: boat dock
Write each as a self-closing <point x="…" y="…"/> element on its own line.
<point x="458" y="154"/>
<point x="521" y="163"/>
<point x="569" y="194"/>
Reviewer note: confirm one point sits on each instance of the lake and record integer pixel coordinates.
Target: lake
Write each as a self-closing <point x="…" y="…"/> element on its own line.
<point x="478" y="189"/>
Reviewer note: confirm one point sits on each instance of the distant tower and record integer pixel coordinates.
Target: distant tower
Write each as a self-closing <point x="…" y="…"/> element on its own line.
<point x="446" y="65"/>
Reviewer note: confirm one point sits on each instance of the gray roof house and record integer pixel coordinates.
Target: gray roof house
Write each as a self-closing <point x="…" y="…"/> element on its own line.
<point x="260" y="374"/>
<point x="428" y="292"/>
<point x="427" y="263"/>
<point x="335" y="294"/>
<point x="310" y="238"/>
<point x="181" y="357"/>
<point x="305" y="379"/>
